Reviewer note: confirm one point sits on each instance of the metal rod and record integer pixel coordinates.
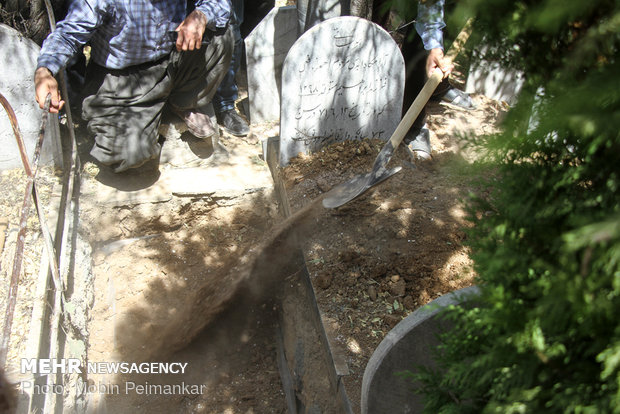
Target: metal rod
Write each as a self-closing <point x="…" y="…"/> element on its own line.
<point x="70" y="177"/>
<point x="18" y="135"/>
<point x="19" y="246"/>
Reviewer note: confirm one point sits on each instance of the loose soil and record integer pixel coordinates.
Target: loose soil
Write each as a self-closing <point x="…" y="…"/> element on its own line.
<point x="397" y="247"/>
<point x="177" y="280"/>
<point x="174" y="282"/>
<point x="13" y="185"/>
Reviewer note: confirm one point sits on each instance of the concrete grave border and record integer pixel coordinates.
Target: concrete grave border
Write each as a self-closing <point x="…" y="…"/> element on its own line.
<point x="405" y="346"/>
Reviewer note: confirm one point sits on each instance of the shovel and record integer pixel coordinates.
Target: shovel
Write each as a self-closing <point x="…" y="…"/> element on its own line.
<point x="345" y="192"/>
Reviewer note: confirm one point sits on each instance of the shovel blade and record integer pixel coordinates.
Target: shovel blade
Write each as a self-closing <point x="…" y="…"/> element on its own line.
<point x="350" y="190"/>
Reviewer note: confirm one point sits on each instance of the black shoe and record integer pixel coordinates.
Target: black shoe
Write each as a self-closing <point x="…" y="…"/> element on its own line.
<point x="233" y="123"/>
<point x="418" y="143"/>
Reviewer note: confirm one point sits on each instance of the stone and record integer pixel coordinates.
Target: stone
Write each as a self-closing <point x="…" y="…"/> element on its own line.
<point x="342" y="80"/>
<point x="495" y="82"/>
<point x="408" y="345"/>
<point x="324" y="280"/>
<point x="409" y="302"/>
<point x="391" y="320"/>
<point x="19" y="55"/>
<point x="398" y="288"/>
<point x="266" y="47"/>
<point x="372" y="293"/>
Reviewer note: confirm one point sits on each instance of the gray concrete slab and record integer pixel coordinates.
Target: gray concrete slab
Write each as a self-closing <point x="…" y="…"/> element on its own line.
<point x="265" y="48"/>
<point x="233" y="170"/>
<point x="342" y="80"/>
<point x="19" y="57"/>
<point x="116" y="190"/>
<point x="408" y="344"/>
<point x="220" y="182"/>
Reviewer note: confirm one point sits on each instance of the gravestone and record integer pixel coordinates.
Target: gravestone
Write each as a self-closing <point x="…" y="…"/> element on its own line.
<point x="265" y="48"/>
<point x="408" y="345"/>
<point x="493" y="81"/>
<point x="19" y="55"/>
<point x="342" y="80"/>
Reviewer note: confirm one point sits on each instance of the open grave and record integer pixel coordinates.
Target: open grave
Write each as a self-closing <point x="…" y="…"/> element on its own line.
<point x="224" y="261"/>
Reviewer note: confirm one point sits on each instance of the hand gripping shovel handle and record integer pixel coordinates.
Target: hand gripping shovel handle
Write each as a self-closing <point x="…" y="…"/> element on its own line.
<point x="428" y="89"/>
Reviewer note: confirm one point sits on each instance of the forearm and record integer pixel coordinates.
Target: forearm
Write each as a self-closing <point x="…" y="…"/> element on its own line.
<point x="56" y="52"/>
<point x="71" y="34"/>
<point x="430" y="23"/>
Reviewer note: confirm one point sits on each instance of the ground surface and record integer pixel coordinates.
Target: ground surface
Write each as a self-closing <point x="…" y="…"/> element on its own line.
<point x="169" y="276"/>
<point x="396" y="248"/>
<point x="13" y="185"/>
<point x="170" y="255"/>
<point x="170" y="283"/>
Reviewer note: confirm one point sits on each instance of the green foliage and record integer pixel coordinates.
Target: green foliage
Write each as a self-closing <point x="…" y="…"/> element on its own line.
<point x="546" y="236"/>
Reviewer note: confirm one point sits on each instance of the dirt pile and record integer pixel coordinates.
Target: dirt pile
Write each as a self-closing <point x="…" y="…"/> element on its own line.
<point x="398" y="246"/>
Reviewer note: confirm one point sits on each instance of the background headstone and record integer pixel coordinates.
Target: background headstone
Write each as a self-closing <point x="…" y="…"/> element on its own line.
<point x="407" y="345"/>
<point x="342" y="80"/>
<point x="493" y="81"/>
<point x="266" y="47"/>
<point x="19" y="57"/>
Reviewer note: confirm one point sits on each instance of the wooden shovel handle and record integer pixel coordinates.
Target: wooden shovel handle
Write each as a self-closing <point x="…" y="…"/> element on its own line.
<point x="429" y="87"/>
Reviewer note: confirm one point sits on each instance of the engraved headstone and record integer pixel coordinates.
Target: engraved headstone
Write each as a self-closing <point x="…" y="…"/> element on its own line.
<point x="342" y="80"/>
<point x="266" y="47"/>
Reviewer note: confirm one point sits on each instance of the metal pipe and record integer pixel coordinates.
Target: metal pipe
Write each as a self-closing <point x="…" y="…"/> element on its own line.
<point x="21" y="236"/>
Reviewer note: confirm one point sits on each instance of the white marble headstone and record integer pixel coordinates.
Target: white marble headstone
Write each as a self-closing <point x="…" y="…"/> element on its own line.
<point x="19" y="57"/>
<point x="494" y="81"/>
<point x="342" y="80"/>
<point x="266" y="47"/>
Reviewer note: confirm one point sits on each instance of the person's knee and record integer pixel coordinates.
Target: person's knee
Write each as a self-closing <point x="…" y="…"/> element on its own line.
<point x="122" y="145"/>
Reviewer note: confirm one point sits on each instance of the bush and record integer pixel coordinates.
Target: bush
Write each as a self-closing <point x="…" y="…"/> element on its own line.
<point x="546" y="237"/>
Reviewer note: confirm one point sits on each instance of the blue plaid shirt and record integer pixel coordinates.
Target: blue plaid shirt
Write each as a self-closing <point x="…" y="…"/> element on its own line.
<point x="429" y="23"/>
<point x="123" y="33"/>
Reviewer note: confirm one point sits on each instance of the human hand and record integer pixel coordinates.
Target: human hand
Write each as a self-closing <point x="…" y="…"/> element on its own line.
<point x="190" y="31"/>
<point x="45" y="84"/>
<point x="436" y="60"/>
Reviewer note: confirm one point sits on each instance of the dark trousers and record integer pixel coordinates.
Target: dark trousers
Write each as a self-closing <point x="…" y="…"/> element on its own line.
<point x="228" y="92"/>
<point x="415" y="72"/>
<point x="123" y="107"/>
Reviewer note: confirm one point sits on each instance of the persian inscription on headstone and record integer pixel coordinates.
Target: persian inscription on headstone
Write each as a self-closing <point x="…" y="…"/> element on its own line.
<point x="342" y="80"/>
<point x="266" y="47"/>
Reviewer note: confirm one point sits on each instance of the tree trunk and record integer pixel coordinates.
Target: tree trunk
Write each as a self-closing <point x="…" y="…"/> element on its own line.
<point x="29" y="17"/>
